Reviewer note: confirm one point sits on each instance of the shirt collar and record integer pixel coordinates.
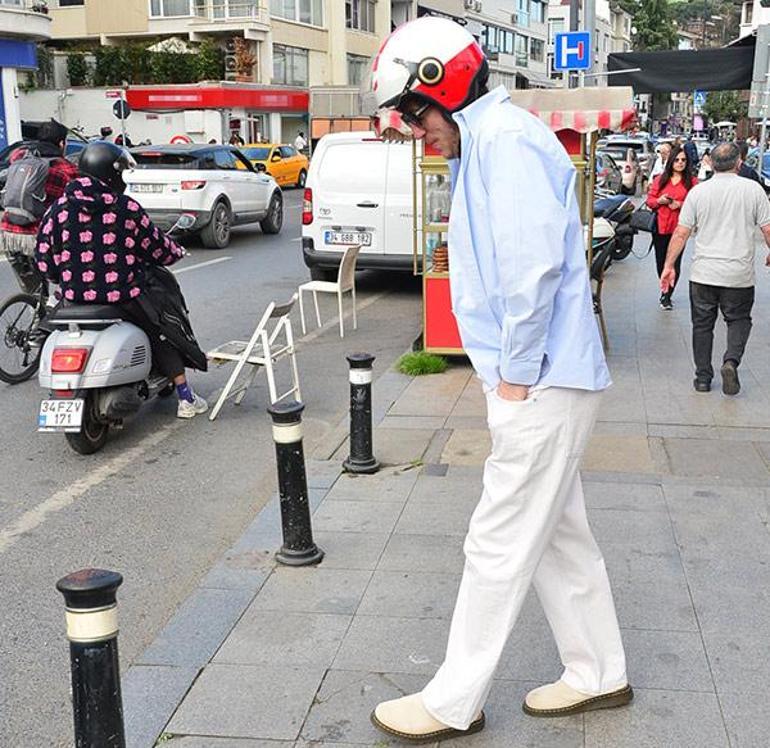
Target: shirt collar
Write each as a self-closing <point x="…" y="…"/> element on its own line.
<point x="476" y="109"/>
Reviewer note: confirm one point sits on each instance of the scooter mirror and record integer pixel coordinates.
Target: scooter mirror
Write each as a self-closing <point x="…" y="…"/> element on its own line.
<point x="185" y="221"/>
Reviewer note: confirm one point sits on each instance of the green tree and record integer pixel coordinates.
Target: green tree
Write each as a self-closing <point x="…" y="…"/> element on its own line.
<point x="77" y="69"/>
<point x="724" y="105"/>
<point x="210" y="61"/>
<point x="654" y="23"/>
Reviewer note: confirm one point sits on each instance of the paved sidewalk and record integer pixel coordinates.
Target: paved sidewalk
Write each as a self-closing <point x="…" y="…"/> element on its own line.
<point x="677" y="488"/>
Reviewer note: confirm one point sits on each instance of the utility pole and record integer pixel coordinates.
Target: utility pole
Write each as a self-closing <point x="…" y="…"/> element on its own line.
<point x="589" y="23"/>
<point x="574" y="25"/>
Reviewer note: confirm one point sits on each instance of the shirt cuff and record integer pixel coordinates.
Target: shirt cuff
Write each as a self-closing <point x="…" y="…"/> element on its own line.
<point x="520" y="372"/>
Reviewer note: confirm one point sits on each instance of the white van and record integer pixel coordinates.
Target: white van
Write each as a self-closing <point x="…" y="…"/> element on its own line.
<point x="358" y="191"/>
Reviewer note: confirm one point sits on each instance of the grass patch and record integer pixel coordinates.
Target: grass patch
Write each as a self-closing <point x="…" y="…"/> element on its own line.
<point x="418" y="363"/>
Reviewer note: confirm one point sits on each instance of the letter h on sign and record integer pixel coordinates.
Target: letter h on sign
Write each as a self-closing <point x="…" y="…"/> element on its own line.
<point x="572" y="51"/>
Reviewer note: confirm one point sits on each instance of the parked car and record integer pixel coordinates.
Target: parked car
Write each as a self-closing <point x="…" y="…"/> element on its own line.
<point x="609" y="176"/>
<point x="631" y="173"/>
<point x="641" y="146"/>
<point x="370" y="205"/>
<point x="283" y="162"/>
<point x="216" y="183"/>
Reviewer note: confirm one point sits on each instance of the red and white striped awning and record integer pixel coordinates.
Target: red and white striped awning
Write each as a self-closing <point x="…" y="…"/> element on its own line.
<point x="580" y="109"/>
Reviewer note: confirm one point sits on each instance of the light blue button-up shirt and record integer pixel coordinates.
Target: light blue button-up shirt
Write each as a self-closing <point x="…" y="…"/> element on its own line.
<point x="517" y="261"/>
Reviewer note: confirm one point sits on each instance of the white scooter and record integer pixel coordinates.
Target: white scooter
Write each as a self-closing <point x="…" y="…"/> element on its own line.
<point x="98" y="371"/>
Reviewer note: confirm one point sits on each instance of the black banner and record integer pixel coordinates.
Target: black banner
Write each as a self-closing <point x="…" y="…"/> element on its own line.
<point x="724" y="69"/>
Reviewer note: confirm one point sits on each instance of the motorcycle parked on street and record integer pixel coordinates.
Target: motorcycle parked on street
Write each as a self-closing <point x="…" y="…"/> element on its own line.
<point x="97" y="369"/>
<point x="617" y="210"/>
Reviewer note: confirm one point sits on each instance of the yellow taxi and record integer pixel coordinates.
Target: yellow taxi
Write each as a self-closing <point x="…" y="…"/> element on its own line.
<point x="283" y="162"/>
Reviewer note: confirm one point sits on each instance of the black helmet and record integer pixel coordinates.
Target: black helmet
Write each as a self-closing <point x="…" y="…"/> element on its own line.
<point x="106" y="162"/>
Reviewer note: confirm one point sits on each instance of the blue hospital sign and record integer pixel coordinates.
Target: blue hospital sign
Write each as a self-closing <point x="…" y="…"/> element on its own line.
<point x="572" y="51"/>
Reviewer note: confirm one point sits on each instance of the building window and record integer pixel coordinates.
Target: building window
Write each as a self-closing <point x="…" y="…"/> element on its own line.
<point x="70" y="3"/>
<point x="357" y="66"/>
<point x="522" y="50"/>
<point x="538" y="11"/>
<point x="748" y="13"/>
<point x="536" y="49"/>
<point x="301" y="11"/>
<point x="494" y="39"/>
<point x="554" y="75"/>
<point x="290" y="66"/>
<point x="627" y="26"/>
<point x="555" y="26"/>
<point x="606" y="42"/>
<point x="168" y="8"/>
<point x="359" y="15"/>
<point x="522" y="12"/>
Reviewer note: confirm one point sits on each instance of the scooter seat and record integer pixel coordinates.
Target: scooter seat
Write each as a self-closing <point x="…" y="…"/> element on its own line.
<point x="84" y="313"/>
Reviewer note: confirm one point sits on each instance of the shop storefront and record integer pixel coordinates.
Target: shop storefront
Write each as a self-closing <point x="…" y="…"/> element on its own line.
<point x="207" y="112"/>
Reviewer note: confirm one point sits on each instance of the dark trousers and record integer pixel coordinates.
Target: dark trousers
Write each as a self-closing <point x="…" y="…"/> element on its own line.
<point x="166" y="359"/>
<point x="735" y="305"/>
<point x="661" y="242"/>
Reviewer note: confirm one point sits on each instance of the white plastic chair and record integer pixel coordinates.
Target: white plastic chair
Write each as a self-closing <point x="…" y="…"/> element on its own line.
<point x="346" y="281"/>
<point x="263" y="349"/>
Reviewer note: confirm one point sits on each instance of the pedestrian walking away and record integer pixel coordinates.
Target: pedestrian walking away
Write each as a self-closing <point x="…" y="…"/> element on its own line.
<point x="725" y="212"/>
<point x="666" y="196"/>
<point x="745" y="170"/>
<point x="692" y="153"/>
<point x="19" y="224"/>
<point x="521" y="297"/>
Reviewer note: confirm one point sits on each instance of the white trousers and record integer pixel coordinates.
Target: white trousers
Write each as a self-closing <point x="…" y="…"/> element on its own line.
<point x="530" y="526"/>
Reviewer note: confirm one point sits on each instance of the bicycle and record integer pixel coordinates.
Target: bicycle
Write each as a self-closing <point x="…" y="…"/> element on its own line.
<point x="21" y="335"/>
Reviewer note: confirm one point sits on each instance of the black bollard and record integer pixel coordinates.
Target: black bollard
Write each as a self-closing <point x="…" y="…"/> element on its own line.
<point x="298" y="548"/>
<point x="92" y="629"/>
<point x="361" y="459"/>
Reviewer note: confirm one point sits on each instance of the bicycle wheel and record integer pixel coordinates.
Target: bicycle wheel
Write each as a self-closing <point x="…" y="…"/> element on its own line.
<point x="20" y="338"/>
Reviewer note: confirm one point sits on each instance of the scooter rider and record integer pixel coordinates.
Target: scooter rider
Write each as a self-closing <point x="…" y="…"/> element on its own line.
<point x="98" y="245"/>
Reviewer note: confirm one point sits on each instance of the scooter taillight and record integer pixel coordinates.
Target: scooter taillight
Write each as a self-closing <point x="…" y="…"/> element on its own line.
<point x="69" y="360"/>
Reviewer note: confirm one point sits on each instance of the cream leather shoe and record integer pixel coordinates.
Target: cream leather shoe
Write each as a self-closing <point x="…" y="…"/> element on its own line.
<point x="407" y="718"/>
<point x="558" y="699"/>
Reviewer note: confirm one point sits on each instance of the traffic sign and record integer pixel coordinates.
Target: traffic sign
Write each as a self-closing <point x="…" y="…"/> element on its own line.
<point x="572" y="50"/>
<point x="121" y="109"/>
<point x="699" y="99"/>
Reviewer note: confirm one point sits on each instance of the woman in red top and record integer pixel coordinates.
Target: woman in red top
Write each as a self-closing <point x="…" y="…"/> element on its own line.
<point x="666" y="195"/>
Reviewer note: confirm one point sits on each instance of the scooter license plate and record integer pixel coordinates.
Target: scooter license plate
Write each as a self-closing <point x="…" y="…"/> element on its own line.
<point x="60" y="415"/>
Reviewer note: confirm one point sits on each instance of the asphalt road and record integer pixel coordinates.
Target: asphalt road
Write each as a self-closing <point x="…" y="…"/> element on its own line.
<point x="165" y="497"/>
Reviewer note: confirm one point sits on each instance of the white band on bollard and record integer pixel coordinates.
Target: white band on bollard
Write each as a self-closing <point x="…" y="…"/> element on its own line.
<point x="360" y="376"/>
<point x="287" y="433"/>
<point x="93" y="625"/>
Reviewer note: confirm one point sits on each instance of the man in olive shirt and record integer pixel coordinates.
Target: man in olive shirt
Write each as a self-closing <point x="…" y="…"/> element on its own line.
<point x="726" y="212"/>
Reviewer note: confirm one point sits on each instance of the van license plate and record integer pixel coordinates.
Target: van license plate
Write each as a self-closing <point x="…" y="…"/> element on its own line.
<point x="60" y="415"/>
<point x="364" y="238"/>
<point x="146" y="188"/>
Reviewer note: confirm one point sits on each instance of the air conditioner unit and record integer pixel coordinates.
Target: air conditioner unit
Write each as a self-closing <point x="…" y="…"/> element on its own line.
<point x="514" y="18"/>
<point x="469" y="4"/>
<point x="477" y="6"/>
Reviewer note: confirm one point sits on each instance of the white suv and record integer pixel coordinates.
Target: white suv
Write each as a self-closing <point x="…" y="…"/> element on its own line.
<point x="215" y="183"/>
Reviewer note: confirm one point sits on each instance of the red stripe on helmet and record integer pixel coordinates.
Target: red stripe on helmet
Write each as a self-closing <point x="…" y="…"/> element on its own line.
<point x="452" y="90"/>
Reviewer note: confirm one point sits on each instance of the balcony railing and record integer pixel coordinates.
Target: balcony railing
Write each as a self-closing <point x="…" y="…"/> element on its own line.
<point x="34" y="5"/>
<point x="224" y="10"/>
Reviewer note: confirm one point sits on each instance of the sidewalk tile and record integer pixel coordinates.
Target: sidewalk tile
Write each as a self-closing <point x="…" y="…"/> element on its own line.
<point x="394" y="446"/>
<point x="730" y="593"/>
<point x="246" y="701"/>
<point x="356" y="516"/>
<point x="387" y="485"/>
<point x="351" y="550"/>
<point x="457" y="489"/>
<point x="472" y="401"/>
<point x="530" y="654"/>
<point x="702" y="458"/>
<point x="628" y="497"/>
<point x="659" y="719"/>
<point x="434" y="519"/>
<point x="322" y="473"/>
<point x="467" y="447"/>
<point x="412" y="422"/>
<point x="235" y="572"/>
<point x="281" y="638"/>
<point x="150" y="696"/>
<point x="313" y="590"/>
<point x="647" y="531"/>
<point x="410" y="594"/>
<point x="197" y="629"/>
<point x="424" y="553"/>
<point x="475" y="423"/>
<point x="740" y="660"/>
<point x="341" y="709"/>
<point x="667" y="660"/>
<point x="621" y="454"/>
<point x="747" y="717"/>
<point x="393" y="645"/>
<point x="650" y="589"/>
<point x="433" y="394"/>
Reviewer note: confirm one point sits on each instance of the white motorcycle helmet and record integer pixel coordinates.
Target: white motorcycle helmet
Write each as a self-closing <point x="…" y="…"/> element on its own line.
<point x="433" y="60"/>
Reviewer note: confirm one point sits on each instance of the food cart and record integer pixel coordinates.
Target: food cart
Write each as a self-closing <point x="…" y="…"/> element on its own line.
<point x="576" y="116"/>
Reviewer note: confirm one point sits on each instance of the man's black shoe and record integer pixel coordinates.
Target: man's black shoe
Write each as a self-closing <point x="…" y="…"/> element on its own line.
<point x="730" y="383"/>
<point x="701" y="385"/>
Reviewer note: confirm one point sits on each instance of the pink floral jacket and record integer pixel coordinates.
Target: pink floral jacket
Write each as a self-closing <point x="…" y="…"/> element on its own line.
<point x="96" y="244"/>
